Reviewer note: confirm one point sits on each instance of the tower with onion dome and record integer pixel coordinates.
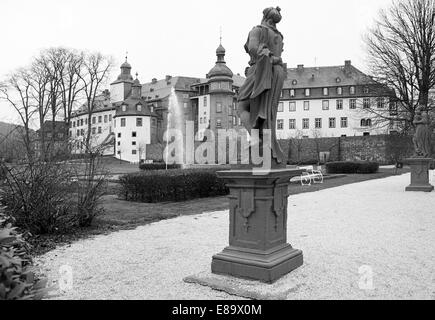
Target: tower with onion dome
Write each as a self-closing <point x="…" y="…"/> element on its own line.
<point x="121" y="88"/>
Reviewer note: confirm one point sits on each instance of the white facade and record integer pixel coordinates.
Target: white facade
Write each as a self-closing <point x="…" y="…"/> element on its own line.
<point x="327" y="118"/>
<point x="203" y="114"/>
<point x="101" y="130"/>
<point x="132" y="134"/>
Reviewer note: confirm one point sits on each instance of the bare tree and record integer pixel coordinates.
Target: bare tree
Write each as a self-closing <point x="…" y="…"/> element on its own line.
<point x="401" y="49"/>
<point x="96" y="69"/>
<point x="17" y="91"/>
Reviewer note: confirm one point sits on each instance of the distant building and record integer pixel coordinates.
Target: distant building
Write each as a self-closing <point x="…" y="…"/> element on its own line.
<point x="331" y="102"/>
<point x="52" y="139"/>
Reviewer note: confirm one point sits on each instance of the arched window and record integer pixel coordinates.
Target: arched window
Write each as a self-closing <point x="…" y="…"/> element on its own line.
<point x="363" y="122"/>
<point x="369" y="122"/>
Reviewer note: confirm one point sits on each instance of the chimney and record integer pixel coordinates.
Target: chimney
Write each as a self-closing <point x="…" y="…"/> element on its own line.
<point x="154" y="81"/>
<point x="347" y="67"/>
<point x="168" y="78"/>
<point x="300" y="67"/>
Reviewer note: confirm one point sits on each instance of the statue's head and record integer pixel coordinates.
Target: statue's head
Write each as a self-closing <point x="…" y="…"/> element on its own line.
<point x="272" y="14"/>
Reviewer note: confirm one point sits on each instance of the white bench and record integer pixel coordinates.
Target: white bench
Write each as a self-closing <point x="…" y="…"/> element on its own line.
<point x="311" y="176"/>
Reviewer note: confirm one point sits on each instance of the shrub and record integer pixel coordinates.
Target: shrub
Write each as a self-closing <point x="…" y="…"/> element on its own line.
<point x="158" y="166"/>
<point x="47" y="197"/>
<point x="352" y="167"/>
<point x="171" y="185"/>
<point x="17" y="279"/>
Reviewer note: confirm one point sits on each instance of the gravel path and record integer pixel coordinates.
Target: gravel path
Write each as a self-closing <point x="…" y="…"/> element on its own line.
<point x="374" y="223"/>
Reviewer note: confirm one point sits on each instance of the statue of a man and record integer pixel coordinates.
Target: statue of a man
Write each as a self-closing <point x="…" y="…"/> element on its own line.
<point x="259" y="95"/>
<point x="423" y="132"/>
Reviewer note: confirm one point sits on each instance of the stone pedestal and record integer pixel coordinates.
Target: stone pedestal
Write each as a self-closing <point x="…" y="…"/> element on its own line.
<point x="419" y="174"/>
<point x="258" y="247"/>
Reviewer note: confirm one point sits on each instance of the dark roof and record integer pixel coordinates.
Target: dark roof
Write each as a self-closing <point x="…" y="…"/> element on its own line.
<point x="333" y="76"/>
<point x="131" y="109"/>
<point x="162" y="88"/>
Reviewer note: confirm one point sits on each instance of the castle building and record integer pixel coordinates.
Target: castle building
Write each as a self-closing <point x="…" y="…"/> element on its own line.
<point x="129" y="121"/>
<point x="332" y="102"/>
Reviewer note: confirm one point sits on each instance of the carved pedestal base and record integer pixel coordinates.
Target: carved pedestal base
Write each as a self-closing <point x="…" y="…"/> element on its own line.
<point x="258" y="247"/>
<point x="419" y="174"/>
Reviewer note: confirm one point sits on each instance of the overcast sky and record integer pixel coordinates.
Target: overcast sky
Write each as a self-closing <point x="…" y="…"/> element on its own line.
<point x="179" y="38"/>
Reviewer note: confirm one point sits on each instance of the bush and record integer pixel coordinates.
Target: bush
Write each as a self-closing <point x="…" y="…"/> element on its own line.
<point x="158" y="166"/>
<point x="47" y="198"/>
<point x="352" y="167"/>
<point x="172" y="185"/>
<point x="17" y="279"/>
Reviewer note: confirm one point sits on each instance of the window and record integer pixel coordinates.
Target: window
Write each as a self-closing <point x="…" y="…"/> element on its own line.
<point x="133" y="134"/>
<point x="339" y="104"/>
<point x="366" y="134"/>
<point x="218" y="107"/>
<point x="110" y="117"/>
<point x="78" y="132"/>
<point x="292" y="124"/>
<point x="99" y="130"/>
<point x="138" y="122"/>
<point x="393" y="109"/>
<point x="81" y="122"/>
<point x="366" y="103"/>
<point x="366" y="90"/>
<point x="218" y="123"/>
<point x="352" y="90"/>
<point x="280" y="107"/>
<point x="292" y="107"/>
<point x="205" y="101"/>
<point x="139" y="107"/>
<point x="122" y="122"/>
<point x="133" y="143"/>
<point x="124" y="108"/>
<point x="100" y="119"/>
<point x="86" y="121"/>
<point x="94" y="120"/>
<point x="332" y="122"/>
<point x="325" y="104"/>
<point x="105" y="118"/>
<point x="234" y="121"/>
<point x="307" y="92"/>
<point x="305" y="123"/>
<point x="200" y="120"/>
<point x="185" y="105"/>
<point x="339" y="91"/>
<point x="133" y="151"/>
<point x="230" y="110"/>
<point x="280" y="124"/>
<point x="343" y="122"/>
<point x="292" y="92"/>
<point x="74" y="124"/>
<point x="119" y="135"/>
<point x="82" y="132"/>
<point x="93" y="130"/>
<point x="366" y="122"/>
<point x="352" y="104"/>
<point x="153" y="121"/>
<point x="306" y="105"/>
<point x="380" y="102"/>
<point x="325" y="91"/>
<point x="318" y="123"/>
<point x="119" y="143"/>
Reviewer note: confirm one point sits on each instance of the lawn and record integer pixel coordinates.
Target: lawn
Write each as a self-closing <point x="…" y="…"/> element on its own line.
<point x="120" y="215"/>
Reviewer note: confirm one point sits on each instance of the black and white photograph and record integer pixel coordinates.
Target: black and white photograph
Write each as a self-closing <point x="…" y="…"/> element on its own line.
<point x="217" y="155"/>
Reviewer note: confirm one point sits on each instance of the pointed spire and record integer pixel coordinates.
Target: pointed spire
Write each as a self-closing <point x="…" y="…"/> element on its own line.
<point x="220" y="35"/>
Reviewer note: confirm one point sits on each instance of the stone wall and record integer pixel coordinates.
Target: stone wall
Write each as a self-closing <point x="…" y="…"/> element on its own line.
<point x="385" y="149"/>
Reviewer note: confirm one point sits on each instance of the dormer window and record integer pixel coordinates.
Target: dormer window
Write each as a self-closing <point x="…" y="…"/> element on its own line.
<point x="139" y="107"/>
<point x="339" y="91"/>
<point x="307" y="92"/>
<point x="152" y="109"/>
<point x="124" y="108"/>
<point x="294" y="82"/>
<point x="325" y="91"/>
<point x="338" y="80"/>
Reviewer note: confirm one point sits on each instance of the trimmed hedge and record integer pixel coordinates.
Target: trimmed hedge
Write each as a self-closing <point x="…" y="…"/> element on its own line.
<point x="158" y="166"/>
<point x="171" y="185"/>
<point x="352" y="167"/>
